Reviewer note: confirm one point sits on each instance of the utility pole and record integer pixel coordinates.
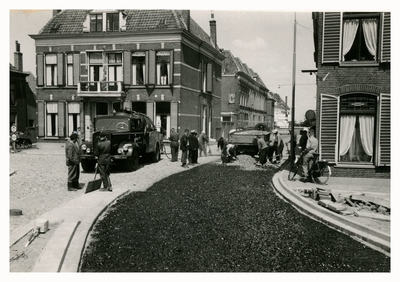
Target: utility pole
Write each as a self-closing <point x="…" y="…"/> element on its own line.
<point x="292" y="145"/>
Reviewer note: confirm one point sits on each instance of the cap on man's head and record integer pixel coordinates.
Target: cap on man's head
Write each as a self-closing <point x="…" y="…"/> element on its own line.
<point x="73" y="136"/>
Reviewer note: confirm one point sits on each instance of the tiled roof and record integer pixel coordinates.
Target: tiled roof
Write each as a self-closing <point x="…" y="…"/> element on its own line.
<point x="72" y="21"/>
<point x="232" y="65"/>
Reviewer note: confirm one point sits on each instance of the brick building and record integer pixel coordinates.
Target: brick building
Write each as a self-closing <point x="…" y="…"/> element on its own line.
<point x="22" y="98"/>
<point x="352" y="56"/>
<point x="245" y="99"/>
<point x="158" y="62"/>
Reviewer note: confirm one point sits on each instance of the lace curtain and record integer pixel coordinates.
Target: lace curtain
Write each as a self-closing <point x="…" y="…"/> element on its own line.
<point x="370" y="27"/>
<point x="349" y="33"/>
<point x="347" y="126"/>
<point x="367" y="133"/>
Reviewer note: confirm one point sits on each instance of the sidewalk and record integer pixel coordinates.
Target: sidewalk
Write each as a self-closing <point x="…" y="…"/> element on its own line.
<point x="372" y="231"/>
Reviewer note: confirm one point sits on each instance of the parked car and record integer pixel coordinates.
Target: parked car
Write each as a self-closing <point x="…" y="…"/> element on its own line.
<point x="133" y="135"/>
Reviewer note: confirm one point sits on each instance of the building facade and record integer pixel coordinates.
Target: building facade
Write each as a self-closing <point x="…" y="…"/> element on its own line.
<point x="22" y="98"/>
<point x="245" y="99"/>
<point x="158" y="62"/>
<point x="352" y="55"/>
<point x="282" y="112"/>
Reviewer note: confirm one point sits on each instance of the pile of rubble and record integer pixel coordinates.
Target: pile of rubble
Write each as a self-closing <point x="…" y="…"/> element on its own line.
<point x="357" y="204"/>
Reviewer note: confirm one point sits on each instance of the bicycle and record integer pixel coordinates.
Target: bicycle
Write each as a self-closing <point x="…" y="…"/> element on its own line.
<point x="319" y="172"/>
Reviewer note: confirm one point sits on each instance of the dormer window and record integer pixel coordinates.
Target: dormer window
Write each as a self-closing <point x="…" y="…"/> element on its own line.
<point x="96" y="23"/>
<point x="105" y="21"/>
<point x="113" y="22"/>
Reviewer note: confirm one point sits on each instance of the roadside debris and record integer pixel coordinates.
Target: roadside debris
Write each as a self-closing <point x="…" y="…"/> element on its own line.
<point x="350" y="204"/>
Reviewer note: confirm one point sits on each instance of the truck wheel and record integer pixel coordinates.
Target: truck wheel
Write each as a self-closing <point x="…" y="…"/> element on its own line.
<point x="133" y="164"/>
<point x="88" y="166"/>
<point x="156" y="155"/>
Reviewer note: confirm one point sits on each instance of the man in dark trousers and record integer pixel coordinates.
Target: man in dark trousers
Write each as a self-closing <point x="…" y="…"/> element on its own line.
<point x="184" y="147"/>
<point x="174" y="138"/>
<point x="102" y="153"/>
<point x="73" y="155"/>
<point x="193" y="148"/>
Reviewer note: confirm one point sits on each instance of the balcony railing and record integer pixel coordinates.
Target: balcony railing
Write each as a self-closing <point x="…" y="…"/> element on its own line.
<point x="105" y="88"/>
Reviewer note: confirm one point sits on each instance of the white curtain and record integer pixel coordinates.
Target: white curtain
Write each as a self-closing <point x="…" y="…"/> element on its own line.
<point x="349" y="33"/>
<point x="367" y="133"/>
<point x="347" y="126"/>
<point x="370" y="27"/>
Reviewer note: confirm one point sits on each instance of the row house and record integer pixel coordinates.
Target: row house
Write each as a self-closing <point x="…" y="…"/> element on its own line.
<point x="22" y="98"/>
<point x="157" y="62"/>
<point x="245" y="98"/>
<point x="352" y="56"/>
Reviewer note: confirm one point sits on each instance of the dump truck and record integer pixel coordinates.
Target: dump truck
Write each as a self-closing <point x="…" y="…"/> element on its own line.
<point x="245" y="139"/>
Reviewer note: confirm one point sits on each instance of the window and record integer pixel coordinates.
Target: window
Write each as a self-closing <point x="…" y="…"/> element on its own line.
<point x="360" y="37"/>
<point x="13" y="94"/>
<point x="52" y="119"/>
<point x="113" y="22"/>
<point x="357" y="128"/>
<point x="114" y="69"/>
<point x="51" y="69"/>
<point x="95" y="69"/>
<point x="96" y="23"/>
<point x="138" y="68"/>
<point x="116" y="106"/>
<point x="70" y="69"/>
<point x="163" y="67"/>
<point x="73" y="116"/>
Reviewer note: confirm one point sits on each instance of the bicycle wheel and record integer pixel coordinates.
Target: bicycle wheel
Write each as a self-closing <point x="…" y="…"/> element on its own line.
<point x="293" y="171"/>
<point x="321" y="175"/>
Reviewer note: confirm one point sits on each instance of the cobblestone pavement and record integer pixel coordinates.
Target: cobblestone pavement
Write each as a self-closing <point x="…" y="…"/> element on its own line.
<point x="38" y="179"/>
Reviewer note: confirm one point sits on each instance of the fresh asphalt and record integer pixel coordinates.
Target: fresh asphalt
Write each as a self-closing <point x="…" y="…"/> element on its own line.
<point x="77" y="217"/>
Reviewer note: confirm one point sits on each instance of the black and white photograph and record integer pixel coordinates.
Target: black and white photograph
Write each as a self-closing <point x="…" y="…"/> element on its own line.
<point x="219" y="139"/>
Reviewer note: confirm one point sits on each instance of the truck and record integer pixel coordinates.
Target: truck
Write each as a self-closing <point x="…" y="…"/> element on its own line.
<point x="132" y="134"/>
<point x="245" y="139"/>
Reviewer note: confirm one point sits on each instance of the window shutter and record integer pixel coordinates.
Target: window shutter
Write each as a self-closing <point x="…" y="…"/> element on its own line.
<point x="328" y="128"/>
<point x="76" y="69"/>
<point x="383" y="156"/>
<point x="127" y="67"/>
<point x="331" y="37"/>
<point x="40" y="118"/>
<point x="171" y="66"/>
<point x="151" y="67"/>
<point x="61" y="119"/>
<point x="209" y="77"/>
<point x="385" y="56"/>
<point x="60" y="69"/>
<point x="40" y="69"/>
<point x="83" y="67"/>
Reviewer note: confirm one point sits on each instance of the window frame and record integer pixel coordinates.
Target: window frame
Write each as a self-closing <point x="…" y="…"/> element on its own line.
<point x="142" y="67"/>
<point x="112" y="19"/>
<point x="361" y="15"/>
<point x="97" y="24"/>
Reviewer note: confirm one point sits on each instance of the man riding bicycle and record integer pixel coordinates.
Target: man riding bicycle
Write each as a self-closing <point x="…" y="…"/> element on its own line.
<point x="310" y="150"/>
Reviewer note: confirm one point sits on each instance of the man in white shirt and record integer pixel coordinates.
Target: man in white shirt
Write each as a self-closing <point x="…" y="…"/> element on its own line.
<point x="311" y="148"/>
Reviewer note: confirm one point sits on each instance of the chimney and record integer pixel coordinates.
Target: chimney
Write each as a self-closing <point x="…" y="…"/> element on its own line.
<point x="18" y="64"/>
<point x="55" y="12"/>
<point x="186" y="17"/>
<point x="213" y="29"/>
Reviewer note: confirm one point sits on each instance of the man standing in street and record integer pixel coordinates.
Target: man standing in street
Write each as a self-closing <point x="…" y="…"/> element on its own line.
<point x="73" y="156"/>
<point x="193" y="147"/>
<point x="311" y="148"/>
<point x="184" y="147"/>
<point x="262" y="150"/>
<point x="174" y="138"/>
<point x="102" y="153"/>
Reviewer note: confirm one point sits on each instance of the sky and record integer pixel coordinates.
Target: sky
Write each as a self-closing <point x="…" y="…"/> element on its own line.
<point x="262" y="38"/>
